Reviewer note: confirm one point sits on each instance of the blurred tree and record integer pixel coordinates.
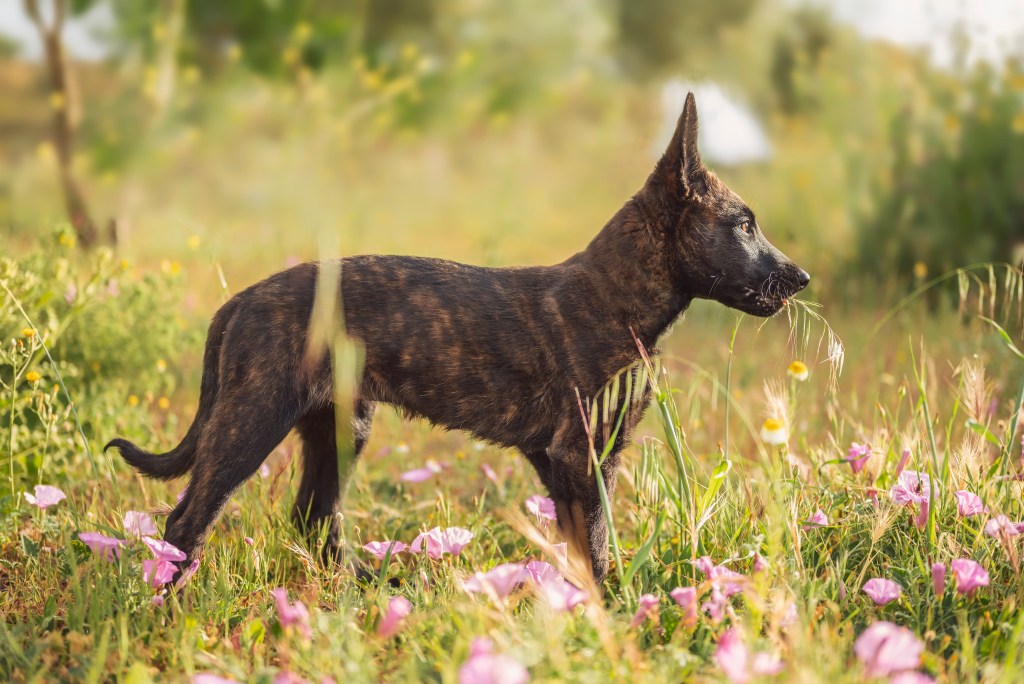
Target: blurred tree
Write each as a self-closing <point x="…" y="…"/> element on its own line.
<point x="66" y="117"/>
<point x="798" y="45"/>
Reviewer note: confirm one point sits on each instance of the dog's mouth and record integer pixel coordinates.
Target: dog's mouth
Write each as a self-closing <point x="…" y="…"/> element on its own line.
<point x="769" y="299"/>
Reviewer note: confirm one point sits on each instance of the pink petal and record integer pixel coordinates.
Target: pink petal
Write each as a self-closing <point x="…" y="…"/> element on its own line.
<point x="379" y="549"/>
<point x="291" y="614"/>
<point x="921" y="519"/>
<point x="939" y="578"/>
<point x="45" y="496"/>
<point x="138" y="524"/>
<point x="968" y="504"/>
<point x="911" y="487"/>
<point x="766" y="665"/>
<point x="107" y="548"/>
<point x="648" y="609"/>
<point x="819" y="519"/>
<point x="423" y="474"/>
<point x="885" y="648"/>
<point x="438" y="542"/>
<point x="489" y="473"/>
<point x="733" y="657"/>
<point x="911" y="678"/>
<point x="882" y="591"/>
<point x="857" y="456"/>
<point x="759" y="564"/>
<point x="560" y="594"/>
<point x="969" y="575"/>
<point x="484" y="667"/>
<point x="157" y="601"/>
<point x="686" y="597"/>
<point x="498" y="582"/>
<point x="542" y="571"/>
<point x="398" y="608"/>
<point x="541" y="507"/>
<point x="1000" y="527"/>
<point x="164" y="550"/>
<point x="158" y="572"/>
<point x="715" y="606"/>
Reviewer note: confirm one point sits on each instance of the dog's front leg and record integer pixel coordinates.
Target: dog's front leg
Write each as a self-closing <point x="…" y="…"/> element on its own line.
<point x="581" y="517"/>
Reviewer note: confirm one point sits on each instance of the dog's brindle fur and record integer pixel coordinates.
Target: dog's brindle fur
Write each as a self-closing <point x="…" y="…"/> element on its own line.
<point x="499" y="352"/>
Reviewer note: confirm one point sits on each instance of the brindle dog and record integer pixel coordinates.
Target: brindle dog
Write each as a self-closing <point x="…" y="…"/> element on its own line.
<point x="499" y="352"/>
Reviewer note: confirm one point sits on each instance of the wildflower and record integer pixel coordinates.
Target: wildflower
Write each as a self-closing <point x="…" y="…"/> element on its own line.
<point x="541" y="507"/>
<point x="1000" y="527"/>
<point x="648" y="609"/>
<point x="264" y="471"/>
<point x="70" y="293"/>
<point x="560" y="595"/>
<point x="164" y="403"/>
<point x="729" y="582"/>
<point x="759" y="564"/>
<point x="819" y="519"/>
<point x="911" y="487"/>
<point x="45" y="496"/>
<point x="32" y="376"/>
<point x="886" y="649"/>
<point x="541" y="571"/>
<point x="774" y="432"/>
<point x="733" y="656"/>
<point x="380" y="549"/>
<point x="438" y="542"/>
<point x="489" y="473"/>
<point x="498" y="582"/>
<point x="939" y="578"/>
<point x="969" y="575"/>
<point x="911" y="677"/>
<point x="398" y="608"/>
<point x="686" y="597"/>
<point x="158" y="572"/>
<point x="249" y="541"/>
<point x="857" y="456"/>
<point x="28" y="332"/>
<point x="423" y="474"/>
<point x="181" y="494"/>
<point x="968" y="504"/>
<point x="157" y="601"/>
<point x="882" y="591"/>
<point x="902" y="463"/>
<point x="402" y="448"/>
<point x="188" y="572"/>
<point x="164" y="551"/>
<point x="715" y="606"/>
<point x="107" y="548"/>
<point x="484" y="667"/>
<point x="138" y="524"/>
<point x="290" y="614"/>
<point x="798" y="371"/>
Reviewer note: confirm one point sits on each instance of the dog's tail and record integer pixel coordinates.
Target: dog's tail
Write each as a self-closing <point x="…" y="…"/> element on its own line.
<point x="178" y="460"/>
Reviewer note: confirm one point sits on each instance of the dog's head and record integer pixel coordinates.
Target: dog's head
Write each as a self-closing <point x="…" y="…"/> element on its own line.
<point x="714" y="246"/>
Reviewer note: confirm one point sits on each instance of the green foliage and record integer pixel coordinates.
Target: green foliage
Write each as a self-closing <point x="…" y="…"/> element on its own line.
<point x="96" y="331"/>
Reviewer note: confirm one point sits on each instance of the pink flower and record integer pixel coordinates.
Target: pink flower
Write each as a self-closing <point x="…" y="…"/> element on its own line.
<point x="560" y="594"/>
<point x="291" y="614"/>
<point x="904" y="457"/>
<point x="968" y="504"/>
<point x="1000" y="527"/>
<point x="921" y="519"/>
<point x="438" y="542"/>
<point x="164" y="551"/>
<point x="729" y="582"/>
<point x="939" y="578"/>
<point x="715" y="606"/>
<point x="912" y="487"/>
<point x="249" y="541"/>
<point x="541" y="571"/>
<point x="157" y="601"/>
<point x="561" y="551"/>
<point x="857" y="456"/>
<point x="138" y="524"/>
<point x="882" y="591"/>
<point x="498" y="582"/>
<point x="733" y="656"/>
<point x="45" y="496"/>
<point x="819" y="519"/>
<point x="542" y="507"/>
<point x="430" y="469"/>
<point x="885" y="649"/>
<point x="648" y="609"/>
<point x="380" y="549"/>
<point x="107" y="548"/>
<point x="158" y="572"/>
<point x="264" y="471"/>
<point x="181" y="494"/>
<point x="489" y="473"/>
<point x="188" y="572"/>
<point x="759" y="564"/>
<point x="686" y="597"/>
<point x="484" y="667"/>
<point x="969" y="575"/>
<point x="398" y="608"/>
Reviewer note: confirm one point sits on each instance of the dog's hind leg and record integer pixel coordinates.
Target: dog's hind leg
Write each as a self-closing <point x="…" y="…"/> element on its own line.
<point x="238" y="437"/>
<point x="321" y="488"/>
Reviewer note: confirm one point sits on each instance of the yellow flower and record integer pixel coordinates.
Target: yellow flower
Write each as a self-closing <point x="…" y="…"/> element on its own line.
<point x="32" y="376"/>
<point x="372" y="80"/>
<point x="28" y="332"/>
<point x="133" y="400"/>
<point x="161" y="366"/>
<point x="920" y="270"/>
<point x="68" y="240"/>
<point x="774" y="431"/>
<point x="164" y="403"/>
<point x="798" y="371"/>
<point x="194" y="241"/>
<point x="465" y="59"/>
<point x="57" y="101"/>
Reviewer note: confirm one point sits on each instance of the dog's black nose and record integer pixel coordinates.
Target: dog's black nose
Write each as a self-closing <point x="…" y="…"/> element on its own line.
<point x="803" y="277"/>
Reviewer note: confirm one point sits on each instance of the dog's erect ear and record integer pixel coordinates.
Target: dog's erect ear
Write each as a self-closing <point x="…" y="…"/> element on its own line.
<point x="682" y="159"/>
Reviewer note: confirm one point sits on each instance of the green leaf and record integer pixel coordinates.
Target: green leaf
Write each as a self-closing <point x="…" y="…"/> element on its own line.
<point x="1006" y="337"/>
<point x="644" y="552"/>
<point x="984" y="432"/>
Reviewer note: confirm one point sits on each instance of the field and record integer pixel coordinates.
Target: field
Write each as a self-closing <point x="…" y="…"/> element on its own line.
<point x="901" y="460"/>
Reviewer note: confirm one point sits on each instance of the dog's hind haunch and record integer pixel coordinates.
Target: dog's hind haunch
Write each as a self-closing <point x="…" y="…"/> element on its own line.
<point x="499" y="352"/>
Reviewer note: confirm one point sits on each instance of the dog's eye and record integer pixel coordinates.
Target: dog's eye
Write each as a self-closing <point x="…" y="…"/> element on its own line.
<point x="747" y="227"/>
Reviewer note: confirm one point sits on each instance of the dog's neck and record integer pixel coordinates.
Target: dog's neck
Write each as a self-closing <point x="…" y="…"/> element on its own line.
<point x="629" y="273"/>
